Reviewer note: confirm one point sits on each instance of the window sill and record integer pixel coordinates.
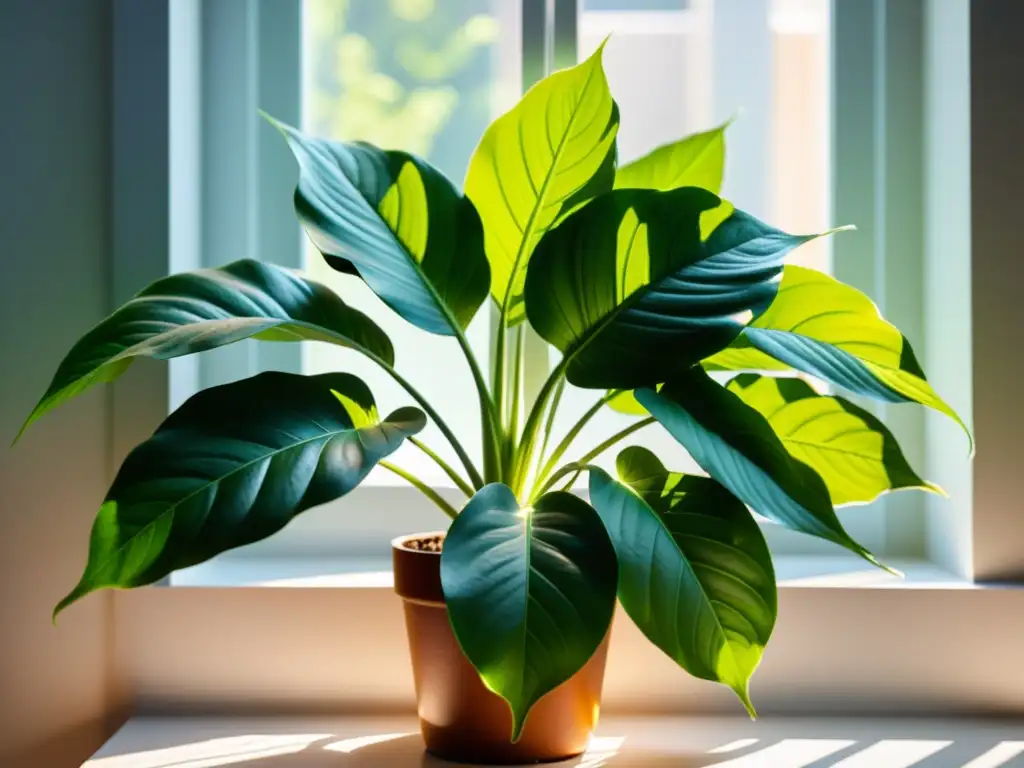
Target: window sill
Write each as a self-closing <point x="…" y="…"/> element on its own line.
<point x="668" y="741"/>
<point x="849" y="639"/>
<point x="792" y="571"/>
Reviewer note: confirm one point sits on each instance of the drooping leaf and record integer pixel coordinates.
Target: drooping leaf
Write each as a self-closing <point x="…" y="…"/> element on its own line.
<point x="398" y="223"/>
<point x="208" y="308"/>
<point x="735" y="444"/>
<point x="850" y="448"/>
<point x="551" y="152"/>
<point x="697" y="160"/>
<point x="234" y="465"/>
<point x="627" y="291"/>
<point x="530" y="591"/>
<point x="695" y="574"/>
<point x="823" y="327"/>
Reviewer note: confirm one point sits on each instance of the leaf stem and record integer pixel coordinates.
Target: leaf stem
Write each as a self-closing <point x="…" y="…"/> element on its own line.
<point x="465" y="487"/>
<point x="563" y="446"/>
<point x="552" y="412"/>
<point x="620" y="435"/>
<point x="500" y="367"/>
<point x="490" y="420"/>
<point x="524" y="454"/>
<point x="575" y="466"/>
<point x="474" y="474"/>
<point x="590" y="456"/>
<point x="425" y="489"/>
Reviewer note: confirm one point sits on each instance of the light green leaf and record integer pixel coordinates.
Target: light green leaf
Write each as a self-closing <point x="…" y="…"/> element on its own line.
<point x="530" y="591"/>
<point x="695" y="574"/>
<point x="627" y="291"/>
<point x="209" y="308"/>
<point x="231" y="466"/>
<point x="697" y="160"/>
<point x="823" y="327"/>
<point x="551" y="152"/>
<point x="850" y="448"/>
<point x="625" y="402"/>
<point x="735" y="444"/>
<point x="398" y="223"/>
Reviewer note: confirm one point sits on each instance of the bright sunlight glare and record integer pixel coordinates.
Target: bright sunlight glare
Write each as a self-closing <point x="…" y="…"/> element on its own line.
<point x="351" y="745"/>
<point x="1000" y="754"/>
<point x="893" y="753"/>
<point x="214" y="752"/>
<point x="600" y="749"/>
<point x="733" y="746"/>
<point x="790" y="753"/>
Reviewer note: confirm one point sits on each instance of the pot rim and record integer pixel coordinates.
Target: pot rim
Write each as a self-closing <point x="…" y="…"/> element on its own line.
<point x="399" y="542"/>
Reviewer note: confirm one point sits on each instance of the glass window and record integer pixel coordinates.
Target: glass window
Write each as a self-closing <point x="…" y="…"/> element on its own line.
<point x="427" y="77"/>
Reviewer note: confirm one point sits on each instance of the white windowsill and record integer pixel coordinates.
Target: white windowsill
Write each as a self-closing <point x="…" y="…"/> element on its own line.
<point x="833" y="571"/>
<point x="648" y="742"/>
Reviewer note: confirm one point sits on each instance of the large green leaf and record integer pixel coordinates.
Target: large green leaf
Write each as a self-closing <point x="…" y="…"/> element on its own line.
<point x="208" y="308"/>
<point x="234" y="465"/>
<point x="551" y="152"/>
<point x="627" y="291"/>
<point x="850" y="448"/>
<point x="398" y="223"/>
<point x="697" y="160"/>
<point x="735" y="444"/>
<point x="530" y="591"/>
<point x="695" y="574"/>
<point x="833" y="331"/>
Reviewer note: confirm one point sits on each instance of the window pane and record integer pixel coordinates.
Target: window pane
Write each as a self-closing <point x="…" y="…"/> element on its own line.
<point x="427" y="77"/>
<point x="680" y="66"/>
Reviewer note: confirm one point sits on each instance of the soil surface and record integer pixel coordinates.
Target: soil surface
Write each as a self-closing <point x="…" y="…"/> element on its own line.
<point x="425" y="544"/>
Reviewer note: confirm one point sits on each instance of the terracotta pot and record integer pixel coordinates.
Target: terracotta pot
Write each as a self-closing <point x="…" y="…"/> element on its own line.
<point x="460" y="719"/>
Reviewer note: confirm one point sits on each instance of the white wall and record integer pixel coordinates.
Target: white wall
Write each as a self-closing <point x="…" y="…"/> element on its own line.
<point x="54" y="282"/>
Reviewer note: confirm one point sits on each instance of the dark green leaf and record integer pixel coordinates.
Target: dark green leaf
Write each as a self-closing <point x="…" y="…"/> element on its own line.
<point x="695" y="573"/>
<point x="234" y="465"/>
<point x="734" y="444"/>
<point x="627" y="291"/>
<point x="851" y="449"/>
<point x="397" y="222"/>
<point x="208" y="308"/>
<point x="823" y="327"/>
<point x="530" y="591"/>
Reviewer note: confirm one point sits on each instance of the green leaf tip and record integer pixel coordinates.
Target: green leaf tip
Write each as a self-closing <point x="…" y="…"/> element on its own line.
<point x="843" y="228"/>
<point x="743" y="693"/>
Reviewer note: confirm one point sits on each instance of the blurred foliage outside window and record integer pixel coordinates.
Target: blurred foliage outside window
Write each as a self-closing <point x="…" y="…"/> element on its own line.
<point x="403" y="74"/>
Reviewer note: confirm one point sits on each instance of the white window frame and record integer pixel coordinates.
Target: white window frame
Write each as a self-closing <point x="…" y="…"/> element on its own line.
<point x="247" y="174"/>
<point x="841" y="644"/>
<point x="244" y="174"/>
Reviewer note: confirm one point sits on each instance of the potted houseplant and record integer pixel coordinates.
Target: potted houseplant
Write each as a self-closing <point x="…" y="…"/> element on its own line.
<point x="648" y="284"/>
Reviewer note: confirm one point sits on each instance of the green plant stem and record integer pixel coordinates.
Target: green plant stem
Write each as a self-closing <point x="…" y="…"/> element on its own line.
<point x="576" y="466"/>
<point x="591" y="455"/>
<point x="620" y="435"/>
<point x="500" y="367"/>
<point x="471" y="469"/>
<point x="517" y="382"/>
<point x="563" y="446"/>
<point x="490" y="419"/>
<point x="524" y="455"/>
<point x="465" y="487"/>
<point x="549" y="424"/>
<point x="425" y="489"/>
